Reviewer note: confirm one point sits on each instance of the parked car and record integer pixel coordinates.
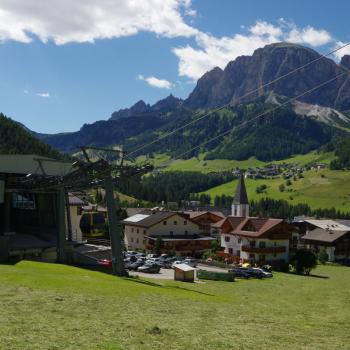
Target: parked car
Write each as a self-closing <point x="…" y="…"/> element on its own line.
<point x="105" y="263"/>
<point x="153" y="260"/>
<point x="149" y="268"/>
<point x="240" y="273"/>
<point x="191" y="262"/>
<point x="266" y="274"/>
<point x="135" y="265"/>
<point x="149" y="256"/>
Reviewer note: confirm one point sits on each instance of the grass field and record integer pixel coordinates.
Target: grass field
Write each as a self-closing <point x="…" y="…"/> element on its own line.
<point x="47" y="306"/>
<point x="206" y="166"/>
<point x="320" y="189"/>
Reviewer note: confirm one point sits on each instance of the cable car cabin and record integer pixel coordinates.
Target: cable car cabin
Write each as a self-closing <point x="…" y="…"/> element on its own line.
<point x="94" y="224"/>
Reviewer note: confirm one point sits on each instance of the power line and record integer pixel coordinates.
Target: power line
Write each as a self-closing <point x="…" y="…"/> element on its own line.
<point x="239" y="98"/>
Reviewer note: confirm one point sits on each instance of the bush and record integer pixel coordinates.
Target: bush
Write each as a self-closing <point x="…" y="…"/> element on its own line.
<point x="304" y="261"/>
<point x="281" y="187"/>
<point x="323" y="256"/>
<point x="288" y="182"/>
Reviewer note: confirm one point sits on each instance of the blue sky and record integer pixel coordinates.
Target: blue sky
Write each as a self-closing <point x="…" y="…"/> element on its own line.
<point x="64" y="65"/>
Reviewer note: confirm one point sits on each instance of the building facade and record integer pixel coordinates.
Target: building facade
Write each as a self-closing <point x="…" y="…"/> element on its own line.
<point x="178" y="233"/>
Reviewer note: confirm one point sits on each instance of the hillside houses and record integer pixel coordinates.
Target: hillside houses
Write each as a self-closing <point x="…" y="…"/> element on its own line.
<point x="257" y="240"/>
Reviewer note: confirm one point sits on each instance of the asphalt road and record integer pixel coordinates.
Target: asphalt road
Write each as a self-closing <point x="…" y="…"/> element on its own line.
<point x="168" y="274"/>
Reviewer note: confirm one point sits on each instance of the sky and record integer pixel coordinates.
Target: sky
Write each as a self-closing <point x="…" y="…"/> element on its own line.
<point x="65" y="63"/>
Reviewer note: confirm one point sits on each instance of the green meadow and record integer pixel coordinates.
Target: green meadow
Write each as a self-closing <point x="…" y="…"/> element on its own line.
<point x="164" y="162"/>
<point x="319" y="188"/>
<point x="48" y="306"/>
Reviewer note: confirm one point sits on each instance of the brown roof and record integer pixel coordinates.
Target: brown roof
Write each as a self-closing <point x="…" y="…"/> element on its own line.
<point x="321" y="235"/>
<point x="250" y="227"/>
<point x="195" y="214"/>
<point x="153" y="218"/>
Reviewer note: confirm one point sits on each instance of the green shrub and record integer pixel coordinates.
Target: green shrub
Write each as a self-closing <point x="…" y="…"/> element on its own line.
<point x="304" y="261"/>
<point x="323" y="256"/>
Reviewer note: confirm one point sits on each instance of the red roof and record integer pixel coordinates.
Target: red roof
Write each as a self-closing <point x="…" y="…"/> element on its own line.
<point x="249" y="227"/>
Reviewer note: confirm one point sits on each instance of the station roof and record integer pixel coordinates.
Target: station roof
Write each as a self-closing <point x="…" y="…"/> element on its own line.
<point x="24" y="164"/>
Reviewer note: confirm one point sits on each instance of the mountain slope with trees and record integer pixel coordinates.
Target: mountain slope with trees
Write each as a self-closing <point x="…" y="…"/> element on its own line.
<point x="14" y="139"/>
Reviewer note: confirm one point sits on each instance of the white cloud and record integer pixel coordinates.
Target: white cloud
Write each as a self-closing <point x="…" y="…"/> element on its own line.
<point x="344" y="51"/>
<point x="43" y="94"/>
<point x="310" y="36"/>
<point x="212" y="51"/>
<point x="26" y="92"/>
<point x="156" y="82"/>
<point x="263" y="28"/>
<point x="65" y="21"/>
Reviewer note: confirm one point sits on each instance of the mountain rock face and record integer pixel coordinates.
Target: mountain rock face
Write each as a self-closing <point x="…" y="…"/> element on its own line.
<point x="168" y="104"/>
<point x="248" y="73"/>
<point x="138" y="108"/>
<point x="345" y="61"/>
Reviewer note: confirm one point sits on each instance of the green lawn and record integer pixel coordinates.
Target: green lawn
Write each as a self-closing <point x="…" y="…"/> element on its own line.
<point x="332" y="190"/>
<point x="47" y="306"/>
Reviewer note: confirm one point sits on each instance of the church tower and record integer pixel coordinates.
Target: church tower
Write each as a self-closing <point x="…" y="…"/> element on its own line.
<point x="240" y="204"/>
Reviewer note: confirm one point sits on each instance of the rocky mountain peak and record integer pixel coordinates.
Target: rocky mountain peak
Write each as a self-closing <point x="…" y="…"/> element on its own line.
<point x="168" y="104"/>
<point x="248" y="73"/>
<point x="138" y="108"/>
<point x="345" y="61"/>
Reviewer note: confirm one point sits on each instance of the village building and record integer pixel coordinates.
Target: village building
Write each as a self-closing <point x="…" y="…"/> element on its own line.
<point x="178" y="233"/>
<point x="332" y="235"/>
<point x="205" y="219"/>
<point x="251" y="239"/>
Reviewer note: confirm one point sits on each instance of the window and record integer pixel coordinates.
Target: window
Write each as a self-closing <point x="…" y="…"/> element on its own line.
<point x="23" y="201"/>
<point x="137" y="240"/>
<point x="175" y="222"/>
<point x="185" y="222"/>
<point x="132" y="229"/>
<point x="238" y="253"/>
<point x="131" y="239"/>
<point x="274" y="255"/>
<point x="137" y="230"/>
<point x="164" y="223"/>
<point x="144" y="232"/>
<point x="186" y="232"/>
<point x="262" y="244"/>
<point x="252" y="243"/>
<point x="239" y="240"/>
<point x="171" y="233"/>
<point x="227" y="238"/>
<point x="234" y="211"/>
<point x="230" y="251"/>
<point x="275" y="243"/>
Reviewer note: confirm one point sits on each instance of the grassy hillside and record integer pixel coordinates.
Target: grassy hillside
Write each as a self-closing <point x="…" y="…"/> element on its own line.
<point x="206" y="166"/>
<point x="49" y="306"/>
<point x="320" y="189"/>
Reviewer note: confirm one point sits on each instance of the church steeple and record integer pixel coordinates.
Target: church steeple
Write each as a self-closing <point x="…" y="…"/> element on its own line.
<point x="240" y="204"/>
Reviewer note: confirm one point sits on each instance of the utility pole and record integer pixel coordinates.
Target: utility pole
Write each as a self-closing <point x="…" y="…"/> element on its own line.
<point x="114" y="228"/>
<point x="61" y="218"/>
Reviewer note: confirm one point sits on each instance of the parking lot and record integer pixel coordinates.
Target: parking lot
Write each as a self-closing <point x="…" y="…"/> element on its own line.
<point x="168" y="274"/>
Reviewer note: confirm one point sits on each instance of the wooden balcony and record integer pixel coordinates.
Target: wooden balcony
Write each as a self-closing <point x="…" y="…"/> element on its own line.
<point x="263" y="250"/>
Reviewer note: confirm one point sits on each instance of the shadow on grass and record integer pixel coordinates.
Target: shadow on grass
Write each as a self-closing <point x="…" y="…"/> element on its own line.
<point x="316" y="276"/>
<point x="153" y="284"/>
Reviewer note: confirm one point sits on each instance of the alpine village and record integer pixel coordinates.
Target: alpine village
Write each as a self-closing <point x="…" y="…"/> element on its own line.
<point x="219" y="220"/>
